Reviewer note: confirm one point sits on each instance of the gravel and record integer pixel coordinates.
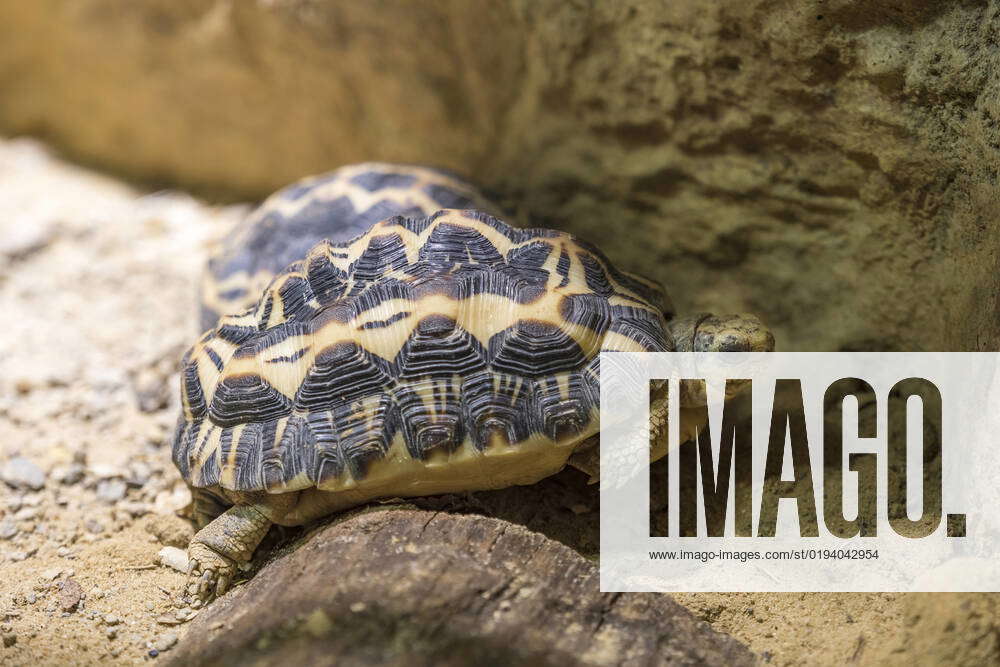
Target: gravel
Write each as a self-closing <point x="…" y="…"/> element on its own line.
<point x="165" y="642"/>
<point x="21" y="473"/>
<point x="7" y="529"/>
<point x="111" y="490"/>
<point x="69" y="598"/>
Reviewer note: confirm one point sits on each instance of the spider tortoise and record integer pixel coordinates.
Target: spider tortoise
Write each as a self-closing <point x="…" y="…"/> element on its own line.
<point x="375" y="332"/>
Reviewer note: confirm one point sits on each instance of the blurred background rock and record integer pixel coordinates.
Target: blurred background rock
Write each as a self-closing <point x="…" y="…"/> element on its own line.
<point x="829" y="164"/>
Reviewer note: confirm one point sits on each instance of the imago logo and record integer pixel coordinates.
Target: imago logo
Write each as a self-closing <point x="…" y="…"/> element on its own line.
<point x="800" y="471"/>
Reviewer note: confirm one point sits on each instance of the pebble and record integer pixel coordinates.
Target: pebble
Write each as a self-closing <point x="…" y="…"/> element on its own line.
<point x="111" y="619"/>
<point x="112" y="633"/>
<point x="70" y="596"/>
<point x="167" y="619"/>
<point x="111" y="490"/>
<point x="18" y="556"/>
<point x="51" y="574"/>
<point x="165" y="642"/>
<point x="69" y="475"/>
<point x="93" y="526"/>
<point x="9" y="639"/>
<point x="174" y="558"/>
<point x="20" y="473"/>
<point x="7" y="529"/>
<point x="138" y="474"/>
<point x="26" y="514"/>
<point x="31" y="597"/>
<point x="105" y="471"/>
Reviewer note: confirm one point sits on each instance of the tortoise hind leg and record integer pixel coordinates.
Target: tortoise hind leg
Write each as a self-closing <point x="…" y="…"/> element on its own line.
<point x="229" y="539"/>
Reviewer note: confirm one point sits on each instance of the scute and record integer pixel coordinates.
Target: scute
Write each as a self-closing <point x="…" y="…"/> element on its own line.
<point x="421" y="340"/>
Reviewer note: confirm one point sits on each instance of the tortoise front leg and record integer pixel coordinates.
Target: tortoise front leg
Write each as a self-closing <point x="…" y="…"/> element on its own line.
<point x="230" y="539"/>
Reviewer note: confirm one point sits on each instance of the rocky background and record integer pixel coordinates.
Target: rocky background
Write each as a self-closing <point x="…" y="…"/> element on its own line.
<point x="828" y="164"/>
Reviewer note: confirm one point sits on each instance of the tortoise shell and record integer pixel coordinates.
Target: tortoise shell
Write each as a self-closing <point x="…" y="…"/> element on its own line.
<point x="428" y="351"/>
<point x="337" y="206"/>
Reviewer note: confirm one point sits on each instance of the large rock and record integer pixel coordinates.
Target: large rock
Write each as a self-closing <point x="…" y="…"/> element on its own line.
<point x="412" y="587"/>
<point x="828" y="164"/>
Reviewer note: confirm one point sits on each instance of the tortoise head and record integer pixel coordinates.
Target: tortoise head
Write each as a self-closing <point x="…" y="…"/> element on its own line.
<point x="705" y="332"/>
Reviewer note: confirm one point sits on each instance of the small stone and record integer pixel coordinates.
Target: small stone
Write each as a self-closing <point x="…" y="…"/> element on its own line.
<point x="153" y="653"/>
<point x="64" y="552"/>
<point x="112" y="633"/>
<point x="111" y="490"/>
<point x="70" y="596"/>
<point x="17" y="556"/>
<point x="51" y="574"/>
<point x="21" y="241"/>
<point x="165" y="642"/>
<point x="9" y="639"/>
<point x="168" y="619"/>
<point x="174" y="558"/>
<point x="93" y="526"/>
<point x="138" y="474"/>
<point x="69" y="475"/>
<point x="22" y="473"/>
<point x="26" y="514"/>
<point x="105" y="471"/>
<point x="111" y="619"/>
<point x="7" y="529"/>
<point x="31" y="597"/>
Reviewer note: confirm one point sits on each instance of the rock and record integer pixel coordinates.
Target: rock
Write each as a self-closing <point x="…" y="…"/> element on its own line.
<point x="93" y="526"/>
<point x="105" y="471"/>
<point x="741" y="149"/>
<point x="21" y="473"/>
<point x="152" y="391"/>
<point x="70" y="596"/>
<point x="439" y="588"/>
<point x="111" y="490"/>
<point x="9" y="639"/>
<point x="69" y="475"/>
<point x="165" y="642"/>
<point x="7" y="529"/>
<point x="26" y="514"/>
<point x="21" y="241"/>
<point x="174" y="558"/>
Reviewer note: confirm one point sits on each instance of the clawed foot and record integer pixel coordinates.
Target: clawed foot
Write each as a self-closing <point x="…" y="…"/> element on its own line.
<point x="209" y="574"/>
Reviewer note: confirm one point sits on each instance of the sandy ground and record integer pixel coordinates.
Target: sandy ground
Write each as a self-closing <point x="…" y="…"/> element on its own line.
<point x="97" y="285"/>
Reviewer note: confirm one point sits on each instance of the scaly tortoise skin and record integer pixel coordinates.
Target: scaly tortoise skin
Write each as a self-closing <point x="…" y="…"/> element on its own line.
<point x="436" y="352"/>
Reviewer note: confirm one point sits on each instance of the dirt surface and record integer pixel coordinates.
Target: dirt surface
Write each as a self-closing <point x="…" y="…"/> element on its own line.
<point x="97" y="285"/>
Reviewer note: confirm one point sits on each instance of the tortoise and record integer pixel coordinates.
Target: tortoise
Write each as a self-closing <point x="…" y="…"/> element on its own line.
<point x="414" y="345"/>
